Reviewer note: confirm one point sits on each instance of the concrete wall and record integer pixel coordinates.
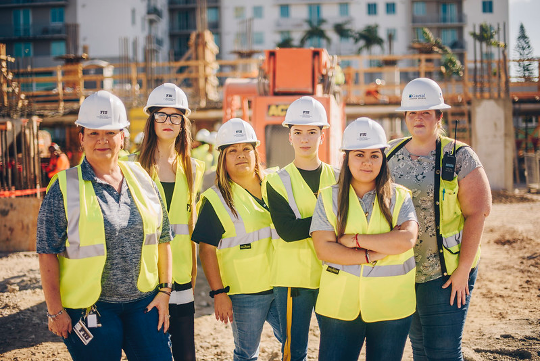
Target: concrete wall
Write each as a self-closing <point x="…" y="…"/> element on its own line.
<point x="493" y="139"/>
<point x="18" y="223"/>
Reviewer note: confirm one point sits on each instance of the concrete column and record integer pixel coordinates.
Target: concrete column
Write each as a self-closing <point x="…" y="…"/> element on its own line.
<point x="492" y="138"/>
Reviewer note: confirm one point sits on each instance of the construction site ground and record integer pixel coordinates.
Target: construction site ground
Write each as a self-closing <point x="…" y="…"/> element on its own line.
<point x="503" y="321"/>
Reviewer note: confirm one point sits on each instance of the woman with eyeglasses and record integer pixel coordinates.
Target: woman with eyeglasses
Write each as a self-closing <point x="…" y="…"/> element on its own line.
<point x="165" y="153"/>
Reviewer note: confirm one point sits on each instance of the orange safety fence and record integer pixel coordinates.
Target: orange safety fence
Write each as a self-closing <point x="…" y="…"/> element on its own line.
<point x="21" y="192"/>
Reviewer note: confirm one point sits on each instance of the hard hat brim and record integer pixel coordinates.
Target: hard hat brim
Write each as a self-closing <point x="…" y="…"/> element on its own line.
<point x="257" y="143"/>
<point x="414" y="109"/>
<point x="104" y="127"/>
<point x="187" y="111"/>
<point x="376" y="146"/>
<point x="314" y="124"/>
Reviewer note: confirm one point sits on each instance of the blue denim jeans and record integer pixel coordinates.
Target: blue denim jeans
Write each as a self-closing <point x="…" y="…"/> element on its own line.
<point x="343" y="340"/>
<point x="303" y="302"/>
<point x="124" y="326"/>
<point x="437" y="327"/>
<point x="249" y="314"/>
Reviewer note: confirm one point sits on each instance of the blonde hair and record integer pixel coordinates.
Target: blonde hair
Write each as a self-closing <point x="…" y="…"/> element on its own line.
<point x="223" y="180"/>
<point x="383" y="188"/>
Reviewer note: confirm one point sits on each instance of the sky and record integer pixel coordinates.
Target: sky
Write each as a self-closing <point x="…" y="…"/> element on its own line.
<point x="526" y="12"/>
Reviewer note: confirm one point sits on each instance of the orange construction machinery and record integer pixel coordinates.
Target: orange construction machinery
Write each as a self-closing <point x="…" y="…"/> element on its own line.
<point x="284" y="76"/>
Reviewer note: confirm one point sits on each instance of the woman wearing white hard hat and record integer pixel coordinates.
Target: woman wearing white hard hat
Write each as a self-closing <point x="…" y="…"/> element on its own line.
<point x="103" y="242"/>
<point x="165" y="153"/>
<point x="364" y="229"/>
<point x="452" y="198"/>
<point x="234" y="234"/>
<point x="291" y="194"/>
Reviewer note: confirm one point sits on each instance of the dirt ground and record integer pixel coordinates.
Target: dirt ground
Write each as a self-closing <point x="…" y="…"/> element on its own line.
<point x="503" y="321"/>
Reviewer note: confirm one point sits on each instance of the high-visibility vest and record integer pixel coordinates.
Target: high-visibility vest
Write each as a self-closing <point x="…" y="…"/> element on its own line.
<point x="202" y="152"/>
<point x="82" y="263"/>
<point x="449" y="219"/>
<point x="380" y="292"/>
<point x="295" y="264"/>
<point x="179" y="215"/>
<point x="245" y="251"/>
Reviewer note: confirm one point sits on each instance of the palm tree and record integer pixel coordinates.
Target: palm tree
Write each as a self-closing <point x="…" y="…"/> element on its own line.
<point x="450" y="63"/>
<point x="486" y="35"/>
<point x="286" y="43"/>
<point x="343" y="31"/>
<point x="370" y="38"/>
<point x="315" y="31"/>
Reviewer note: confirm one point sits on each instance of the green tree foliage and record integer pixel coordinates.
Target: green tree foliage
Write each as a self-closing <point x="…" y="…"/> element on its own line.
<point x="369" y="36"/>
<point x="315" y="31"/>
<point x="524" y="51"/>
<point x="286" y="43"/>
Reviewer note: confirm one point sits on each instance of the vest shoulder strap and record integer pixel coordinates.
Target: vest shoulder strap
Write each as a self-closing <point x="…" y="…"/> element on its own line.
<point x="397" y="147"/>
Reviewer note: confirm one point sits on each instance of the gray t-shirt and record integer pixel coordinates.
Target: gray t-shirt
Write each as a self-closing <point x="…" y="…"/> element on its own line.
<point x="418" y="176"/>
<point x="123" y="234"/>
<point x="320" y="221"/>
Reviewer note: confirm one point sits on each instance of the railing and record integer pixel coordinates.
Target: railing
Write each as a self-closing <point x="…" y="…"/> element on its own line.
<point x="58" y="89"/>
<point x="5" y="3"/>
<point x="154" y="10"/>
<point x="34" y="30"/>
<point x="443" y="19"/>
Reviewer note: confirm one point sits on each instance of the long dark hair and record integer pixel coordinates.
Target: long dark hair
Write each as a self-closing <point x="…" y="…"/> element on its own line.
<point x="223" y="180"/>
<point x="383" y="188"/>
<point x="182" y="145"/>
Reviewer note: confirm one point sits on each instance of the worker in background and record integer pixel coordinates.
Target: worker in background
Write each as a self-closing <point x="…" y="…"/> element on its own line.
<point x="452" y="197"/>
<point x="291" y="194"/>
<point x="203" y="151"/>
<point x="373" y="93"/>
<point x="103" y="243"/>
<point x="364" y="229"/>
<point x="234" y="235"/>
<point x="165" y="155"/>
<point x="58" y="160"/>
<point x="213" y="149"/>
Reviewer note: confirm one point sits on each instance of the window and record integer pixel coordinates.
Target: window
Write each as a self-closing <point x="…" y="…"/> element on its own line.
<point x="372" y="8"/>
<point x="314" y="13"/>
<point x="448" y="13"/>
<point x="315" y="42"/>
<point x="284" y="35"/>
<point x="258" y="12"/>
<point x="133" y="17"/>
<point x="448" y="36"/>
<point x="258" y="38"/>
<point x="391" y="32"/>
<point x="57" y="15"/>
<point x="22" y="50"/>
<point x="217" y="39"/>
<point x="22" y="20"/>
<point x="239" y="12"/>
<point x="418" y="35"/>
<point x="284" y="11"/>
<point x="487" y="6"/>
<point x="344" y="9"/>
<point x="391" y="8"/>
<point x="419" y="8"/>
<point x="212" y="14"/>
<point x="58" y="48"/>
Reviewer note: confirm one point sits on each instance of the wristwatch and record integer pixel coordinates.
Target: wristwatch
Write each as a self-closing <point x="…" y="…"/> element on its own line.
<point x="165" y="285"/>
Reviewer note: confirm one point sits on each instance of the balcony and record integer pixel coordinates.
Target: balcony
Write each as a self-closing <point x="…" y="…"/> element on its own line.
<point x="284" y="24"/>
<point x="33" y="31"/>
<point x="153" y="14"/>
<point x="439" y="20"/>
<point x="31" y="3"/>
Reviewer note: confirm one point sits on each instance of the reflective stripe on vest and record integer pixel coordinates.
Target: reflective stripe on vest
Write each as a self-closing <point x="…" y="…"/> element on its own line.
<point x="81" y="265"/>
<point x="379" y="293"/>
<point x="295" y="264"/>
<point x="244" y="253"/>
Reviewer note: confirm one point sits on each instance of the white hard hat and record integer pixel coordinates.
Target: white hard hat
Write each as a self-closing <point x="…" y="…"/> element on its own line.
<point x="422" y="94"/>
<point x="167" y="95"/>
<point x="139" y="138"/>
<point x="213" y="136"/>
<point x="236" y="131"/>
<point x="364" y="133"/>
<point x="203" y="135"/>
<point x="102" y="110"/>
<point x="306" y="111"/>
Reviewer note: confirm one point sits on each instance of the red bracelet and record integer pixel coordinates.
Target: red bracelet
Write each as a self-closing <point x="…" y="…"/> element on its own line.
<point x="356" y="240"/>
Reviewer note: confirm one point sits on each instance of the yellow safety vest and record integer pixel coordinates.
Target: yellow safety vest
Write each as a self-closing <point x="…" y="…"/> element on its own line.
<point x="449" y="219"/>
<point x="202" y="152"/>
<point x="245" y="251"/>
<point x="380" y="292"/>
<point x="295" y="264"/>
<point x="179" y="215"/>
<point x="81" y="264"/>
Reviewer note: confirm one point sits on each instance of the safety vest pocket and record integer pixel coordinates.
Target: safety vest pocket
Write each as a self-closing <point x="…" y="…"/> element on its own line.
<point x="252" y="273"/>
<point x="449" y="199"/>
<point x="338" y="294"/>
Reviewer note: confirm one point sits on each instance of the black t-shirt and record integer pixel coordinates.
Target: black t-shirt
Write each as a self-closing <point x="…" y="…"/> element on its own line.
<point x="168" y="188"/>
<point x="287" y="226"/>
<point x="208" y="228"/>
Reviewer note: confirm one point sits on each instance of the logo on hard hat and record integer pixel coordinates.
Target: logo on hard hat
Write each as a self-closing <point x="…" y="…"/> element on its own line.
<point x="169" y="97"/>
<point x="103" y="114"/>
<point x="417" y="96"/>
<point x="305" y="114"/>
<point x="362" y="136"/>
<point x="239" y="133"/>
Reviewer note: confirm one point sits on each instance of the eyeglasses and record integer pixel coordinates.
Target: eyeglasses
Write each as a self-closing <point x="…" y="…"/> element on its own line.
<point x="160" y="117"/>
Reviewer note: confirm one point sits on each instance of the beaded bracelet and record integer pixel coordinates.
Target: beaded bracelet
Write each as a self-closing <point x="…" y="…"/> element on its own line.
<point x="166" y="292"/>
<point x="53" y="317"/>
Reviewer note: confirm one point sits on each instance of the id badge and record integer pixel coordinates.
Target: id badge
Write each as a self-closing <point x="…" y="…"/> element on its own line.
<point x="83" y="332"/>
